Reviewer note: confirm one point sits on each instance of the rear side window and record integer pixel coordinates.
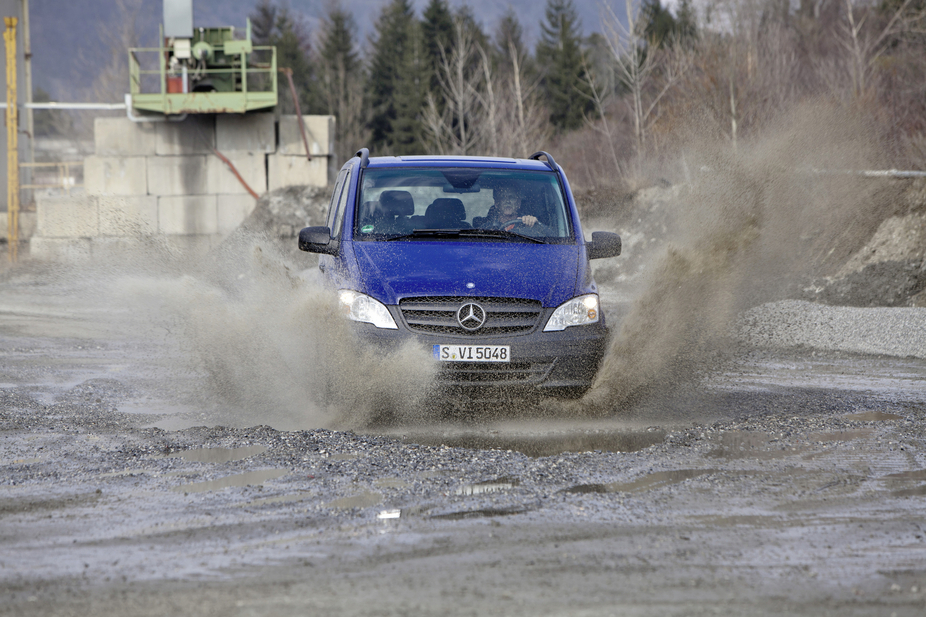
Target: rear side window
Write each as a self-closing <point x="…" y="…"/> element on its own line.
<point x="335" y="200"/>
<point x="342" y="206"/>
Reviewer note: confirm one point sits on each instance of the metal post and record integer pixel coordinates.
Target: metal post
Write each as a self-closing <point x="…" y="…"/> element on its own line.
<point x="12" y="143"/>
<point x="27" y="84"/>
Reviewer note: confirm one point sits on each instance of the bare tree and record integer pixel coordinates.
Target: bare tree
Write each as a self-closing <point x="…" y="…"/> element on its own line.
<point x="456" y="130"/>
<point x="522" y="122"/>
<point x="865" y="46"/>
<point x="599" y="96"/>
<point x="638" y="65"/>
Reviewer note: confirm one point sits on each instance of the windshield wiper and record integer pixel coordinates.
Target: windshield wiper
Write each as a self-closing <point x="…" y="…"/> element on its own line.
<point x="471" y="233"/>
<point x="498" y="233"/>
<point x="426" y="233"/>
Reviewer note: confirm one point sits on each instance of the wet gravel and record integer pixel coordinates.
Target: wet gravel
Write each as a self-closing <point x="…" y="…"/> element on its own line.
<point x="790" y="479"/>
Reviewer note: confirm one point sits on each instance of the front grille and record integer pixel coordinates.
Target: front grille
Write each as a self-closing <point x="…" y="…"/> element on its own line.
<point x="438" y="315"/>
<point x="494" y="374"/>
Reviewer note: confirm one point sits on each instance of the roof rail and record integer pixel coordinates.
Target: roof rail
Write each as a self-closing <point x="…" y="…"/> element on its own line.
<point x="364" y="154"/>
<point x="550" y="162"/>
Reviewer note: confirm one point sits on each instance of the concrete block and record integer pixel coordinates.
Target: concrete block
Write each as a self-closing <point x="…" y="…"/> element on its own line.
<point x="296" y="170"/>
<point x="245" y="132"/>
<point x="128" y="216"/>
<point x="195" y="135"/>
<point x="27" y="221"/>
<point x="319" y="132"/>
<point x="115" y="175"/>
<point x="188" y="215"/>
<point x="67" y="217"/>
<point x="178" y="175"/>
<point x="60" y="249"/>
<point x="251" y="166"/>
<point x="122" y="137"/>
<point x="232" y="210"/>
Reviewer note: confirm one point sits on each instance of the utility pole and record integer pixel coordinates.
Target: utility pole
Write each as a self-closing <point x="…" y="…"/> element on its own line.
<point x="12" y="140"/>
<point x="27" y="84"/>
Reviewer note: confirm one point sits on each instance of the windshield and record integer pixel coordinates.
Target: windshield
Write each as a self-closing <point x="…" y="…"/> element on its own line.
<point x="400" y="203"/>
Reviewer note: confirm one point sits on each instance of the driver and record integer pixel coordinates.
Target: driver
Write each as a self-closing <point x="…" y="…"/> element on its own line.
<point x="506" y="209"/>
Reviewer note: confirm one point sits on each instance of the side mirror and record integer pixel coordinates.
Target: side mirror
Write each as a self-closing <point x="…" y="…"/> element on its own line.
<point x="317" y="240"/>
<point x="603" y="244"/>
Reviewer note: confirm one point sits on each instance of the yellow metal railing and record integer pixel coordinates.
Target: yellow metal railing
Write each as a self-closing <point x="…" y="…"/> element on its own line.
<point x="63" y="178"/>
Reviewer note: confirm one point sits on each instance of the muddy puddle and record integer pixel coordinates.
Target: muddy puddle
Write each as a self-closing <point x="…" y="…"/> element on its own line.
<point x="659" y="479"/>
<point x="363" y="500"/>
<point x="218" y="455"/>
<point x="489" y="486"/>
<point x="251" y="478"/>
<point x="480" y="513"/>
<point x="873" y="416"/>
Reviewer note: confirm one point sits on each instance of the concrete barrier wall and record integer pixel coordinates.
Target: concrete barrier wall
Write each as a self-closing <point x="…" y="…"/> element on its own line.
<point x="165" y="178"/>
<point x="26" y="226"/>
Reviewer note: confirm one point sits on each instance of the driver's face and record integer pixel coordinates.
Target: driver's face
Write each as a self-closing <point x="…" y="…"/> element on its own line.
<point x="509" y="205"/>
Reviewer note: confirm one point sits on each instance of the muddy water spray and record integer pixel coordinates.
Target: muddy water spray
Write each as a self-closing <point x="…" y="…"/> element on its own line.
<point x="273" y="346"/>
<point x="748" y="228"/>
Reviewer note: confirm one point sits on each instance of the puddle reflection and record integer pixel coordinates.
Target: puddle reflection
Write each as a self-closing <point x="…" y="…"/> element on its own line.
<point x="242" y="479"/>
<point x="363" y="500"/>
<point x="873" y="416"/>
<point x="218" y="455"/>
<point x="489" y="486"/>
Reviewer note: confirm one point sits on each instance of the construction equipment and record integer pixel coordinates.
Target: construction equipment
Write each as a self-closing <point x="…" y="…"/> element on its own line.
<point x="201" y="70"/>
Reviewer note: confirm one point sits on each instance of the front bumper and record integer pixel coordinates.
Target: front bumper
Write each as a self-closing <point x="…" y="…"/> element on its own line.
<point x="560" y="364"/>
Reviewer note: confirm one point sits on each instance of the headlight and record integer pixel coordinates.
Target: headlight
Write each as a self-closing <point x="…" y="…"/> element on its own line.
<point x="577" y="312"/>
<point x="359" y="307"/>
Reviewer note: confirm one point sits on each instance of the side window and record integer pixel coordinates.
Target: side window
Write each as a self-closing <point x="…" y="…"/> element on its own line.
<point x="342" y="206"/>
<point x="335" y="194"/>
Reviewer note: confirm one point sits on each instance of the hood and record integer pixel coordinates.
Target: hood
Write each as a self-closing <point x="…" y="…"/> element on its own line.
<point x="391" y="271"/>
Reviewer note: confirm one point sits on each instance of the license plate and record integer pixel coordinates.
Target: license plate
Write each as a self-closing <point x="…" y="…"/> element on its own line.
<point x="472" y="353"/>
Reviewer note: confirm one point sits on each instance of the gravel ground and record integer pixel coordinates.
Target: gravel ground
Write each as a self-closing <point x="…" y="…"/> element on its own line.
<point x="897" y="332"/>
<point x="791" y="479"/>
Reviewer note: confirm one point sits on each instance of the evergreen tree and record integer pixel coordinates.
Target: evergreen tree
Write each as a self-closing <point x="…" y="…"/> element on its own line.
<point x="395" y="64"/>
<point x="437" y="37"/>
<point x="686" y="22"/>
<point x="342" y="79"/>
<point x="560" y="54"/>
<point x="277" y="26"/>
<point x="663" y="29"/>
<point x="263" y="22"/>
<point x="340" y="63"/>
<point x="406" y="135"/>
<point x="508" y="33"/>
<point x="660" y="23"/>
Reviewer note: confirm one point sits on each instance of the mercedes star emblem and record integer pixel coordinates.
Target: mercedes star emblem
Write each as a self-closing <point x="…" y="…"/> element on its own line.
<point x="471" y="316"/>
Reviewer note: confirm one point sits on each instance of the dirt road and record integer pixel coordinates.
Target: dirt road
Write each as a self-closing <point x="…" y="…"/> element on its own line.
<point x="782" y="481"/>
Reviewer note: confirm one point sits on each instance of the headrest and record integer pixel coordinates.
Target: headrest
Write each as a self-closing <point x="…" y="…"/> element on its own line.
<point x="397" y="203"/>
<point x="446" y="208"/>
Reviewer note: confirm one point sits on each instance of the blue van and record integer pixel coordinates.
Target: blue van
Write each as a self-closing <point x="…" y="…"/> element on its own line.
<point x="481" y="259"/>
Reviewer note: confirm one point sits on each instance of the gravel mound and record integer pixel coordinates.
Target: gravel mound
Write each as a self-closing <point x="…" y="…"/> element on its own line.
<point x="887" y="331"/>
<point x="279" y="215"/>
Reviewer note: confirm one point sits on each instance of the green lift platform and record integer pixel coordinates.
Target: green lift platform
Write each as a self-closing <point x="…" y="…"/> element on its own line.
<point x="207" y="70"/>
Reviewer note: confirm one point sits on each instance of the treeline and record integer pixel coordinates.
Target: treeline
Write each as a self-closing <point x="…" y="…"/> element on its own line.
<point x="441" y="83"/>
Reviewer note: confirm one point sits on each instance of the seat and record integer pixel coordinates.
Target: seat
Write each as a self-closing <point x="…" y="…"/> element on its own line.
<point x="394" y="209"/>
<point x="397" y="203"/>
<point x="446" y="213"/>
